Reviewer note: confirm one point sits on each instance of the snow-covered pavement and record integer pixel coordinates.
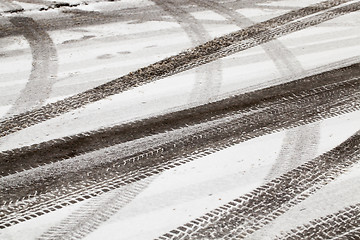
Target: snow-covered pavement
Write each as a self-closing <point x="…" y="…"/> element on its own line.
<point x="92" y="147"/>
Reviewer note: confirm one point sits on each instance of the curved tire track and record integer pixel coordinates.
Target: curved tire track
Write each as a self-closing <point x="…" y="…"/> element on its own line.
<point x="200" y="55"/>
<point x="44" y="65"/>
<point x="299" y="146"/>
<point x="208" y="77"/>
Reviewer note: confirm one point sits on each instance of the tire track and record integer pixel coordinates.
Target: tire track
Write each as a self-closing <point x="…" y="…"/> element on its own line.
<point x="328" y="67"/>
<point x="300" y="141"/>
<point x="250" y="212"/>
<point x="341" y="193"/>
<point x="44" y="65"/>
<point x="352" y="235"/>
<point x="299" y="146"/>
<point x="200" y="55"/>
<point x="28" y="157"/>
<point x="340" y="225"/>
<point x="89" y="183"/>
<point x="96" y="211"/>
<point x="88" y="218"/>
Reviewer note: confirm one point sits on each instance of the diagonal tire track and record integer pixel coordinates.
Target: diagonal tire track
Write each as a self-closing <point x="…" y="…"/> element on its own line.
<point x="95" y="181"/>
<point x="248" y="213"/>
<point x="352" y="235"/>
<point x="16" y="160"/>
<point x="340" y="225"/>
<point x="200" y="55"/>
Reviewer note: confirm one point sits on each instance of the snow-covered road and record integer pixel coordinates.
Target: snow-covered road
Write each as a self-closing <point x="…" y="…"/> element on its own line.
<point x="192" y="119"/>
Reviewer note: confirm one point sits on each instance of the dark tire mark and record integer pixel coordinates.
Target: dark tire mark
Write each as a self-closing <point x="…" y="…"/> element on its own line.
<point x="248" y="213"/>
<point x="210" y="51"/>
<point x="26" y="202"/>
<point x="344" y="224"/>
<point x="45" y="177"/>
<point x="44" y="65"/>
<point x="351" y="235"/>
<point x="82" y="222"/>
<point x="16" y="160"/>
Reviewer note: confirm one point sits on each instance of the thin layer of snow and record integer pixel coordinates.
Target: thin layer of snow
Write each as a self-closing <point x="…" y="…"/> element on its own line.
<point x="91" y="55"/>
<point x="290" y="3"/>
<point x="207" y="15"/>
<point x="3" y="110"/>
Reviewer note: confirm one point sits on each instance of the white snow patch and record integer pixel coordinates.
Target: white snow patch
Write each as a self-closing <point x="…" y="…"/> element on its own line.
<point x="208" y="15"/>
<point x="4" y="110"/>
